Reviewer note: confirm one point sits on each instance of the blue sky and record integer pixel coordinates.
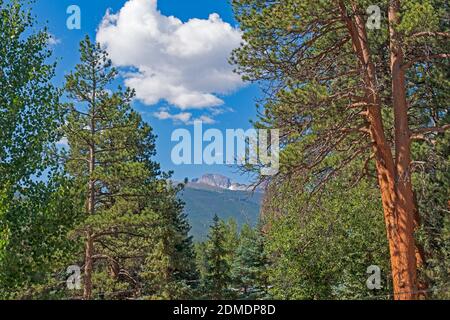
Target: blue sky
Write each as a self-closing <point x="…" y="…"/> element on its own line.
<point x="227" y="103"/>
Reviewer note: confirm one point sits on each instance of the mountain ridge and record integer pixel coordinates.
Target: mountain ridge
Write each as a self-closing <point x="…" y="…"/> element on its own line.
<point x="222" y="182"/>
<point x="214" y="194"/>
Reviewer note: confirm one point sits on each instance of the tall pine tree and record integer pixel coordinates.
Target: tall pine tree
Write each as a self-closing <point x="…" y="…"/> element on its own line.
<point x="134" y="233"/>
<point x="218" y="277"/>
<point x="343" y="91"/>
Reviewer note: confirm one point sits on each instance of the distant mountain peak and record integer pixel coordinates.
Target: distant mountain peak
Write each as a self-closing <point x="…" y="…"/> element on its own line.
<point x="216" y="194"/>
<point x="214" y="180"/>
<point x="221" y="182"/>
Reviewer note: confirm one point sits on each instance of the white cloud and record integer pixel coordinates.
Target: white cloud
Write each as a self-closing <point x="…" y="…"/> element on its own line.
<point x="183" y="117"/>
<point x="206" y="119"/>
<point x="53" y="40"/>
<point x="185" y="64"/>
<point x="219" y="111"/>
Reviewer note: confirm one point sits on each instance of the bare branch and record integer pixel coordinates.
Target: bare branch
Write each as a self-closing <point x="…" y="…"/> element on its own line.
<point x="431" y="130"/>
<point x="425" y="58"/>
<point x="430" y="34"/>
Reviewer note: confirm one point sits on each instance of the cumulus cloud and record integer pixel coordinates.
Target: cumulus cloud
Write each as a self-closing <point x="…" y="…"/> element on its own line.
<point x="185" y="64"/>
<point x="183" y="117"/>
<point x="206" y="119"/>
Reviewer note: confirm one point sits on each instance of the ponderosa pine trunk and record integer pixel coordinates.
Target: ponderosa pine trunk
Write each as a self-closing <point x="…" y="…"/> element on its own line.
<point x="395" y="198"/>
<point x="88" y="266"/>
<point x="405" y="205"/>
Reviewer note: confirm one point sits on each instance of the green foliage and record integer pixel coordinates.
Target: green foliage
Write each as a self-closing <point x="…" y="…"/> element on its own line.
<point x="431" y="178"/>
<point x="420" y="15"/>
<point x="217" y="278"/>
<point x="34" y="213"/>
<point x="301" y="53"/>
<point x="322" y="223"/>
<point x="38" y="250"/>
<point x="29" y="106"/>
<point x="432" y="183"/>
<point x="140" y="235"/>
<point x="232" y="264"/>
<point x="433" y="190"/>
<point x="249" y="268"/>
<point x="321" y="247"/>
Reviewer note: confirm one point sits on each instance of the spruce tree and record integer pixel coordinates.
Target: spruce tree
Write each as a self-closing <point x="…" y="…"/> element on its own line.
<point x="249" y="267"/>
<point x="201" y="262"/>
<point x="218" y="277"/>
<point x="231" y="240"/>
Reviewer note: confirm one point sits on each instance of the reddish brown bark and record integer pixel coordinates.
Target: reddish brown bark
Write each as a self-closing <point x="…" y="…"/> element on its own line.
<point x="396" y="192"/>
<point x="88" y="267"/>
<point x="405" y="205"/>
<point x="422" y="283"/>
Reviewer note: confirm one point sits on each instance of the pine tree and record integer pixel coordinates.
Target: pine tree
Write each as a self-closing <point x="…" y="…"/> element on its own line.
<point x="217" y="278"/>
<point x="133" y="232"/>
<point x="342" y="93"/>
<point x="249" y="267"/>
<point x="170" y="270"/>
<point x="231" y="240"/>
<point x="201" y="263"/>
<point x="185" y="269"/>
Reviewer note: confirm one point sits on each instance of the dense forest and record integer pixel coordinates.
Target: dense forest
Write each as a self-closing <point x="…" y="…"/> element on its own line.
<point x="364" y="175"/>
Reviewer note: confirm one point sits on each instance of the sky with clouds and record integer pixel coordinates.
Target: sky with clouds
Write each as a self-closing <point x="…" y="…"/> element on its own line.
<point x="174" y="54"/>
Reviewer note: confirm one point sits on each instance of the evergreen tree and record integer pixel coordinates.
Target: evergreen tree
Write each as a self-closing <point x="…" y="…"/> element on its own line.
<point x="218" y="277"/>
<point x="432" y="181"/>
<point x="249" y="268"/>
<point x="134" y="232"/>
<point x="185" y="258"/>
<point x="231" y="241"/>
<point x="341" y="94"/>
<point x="201" y="263"/>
